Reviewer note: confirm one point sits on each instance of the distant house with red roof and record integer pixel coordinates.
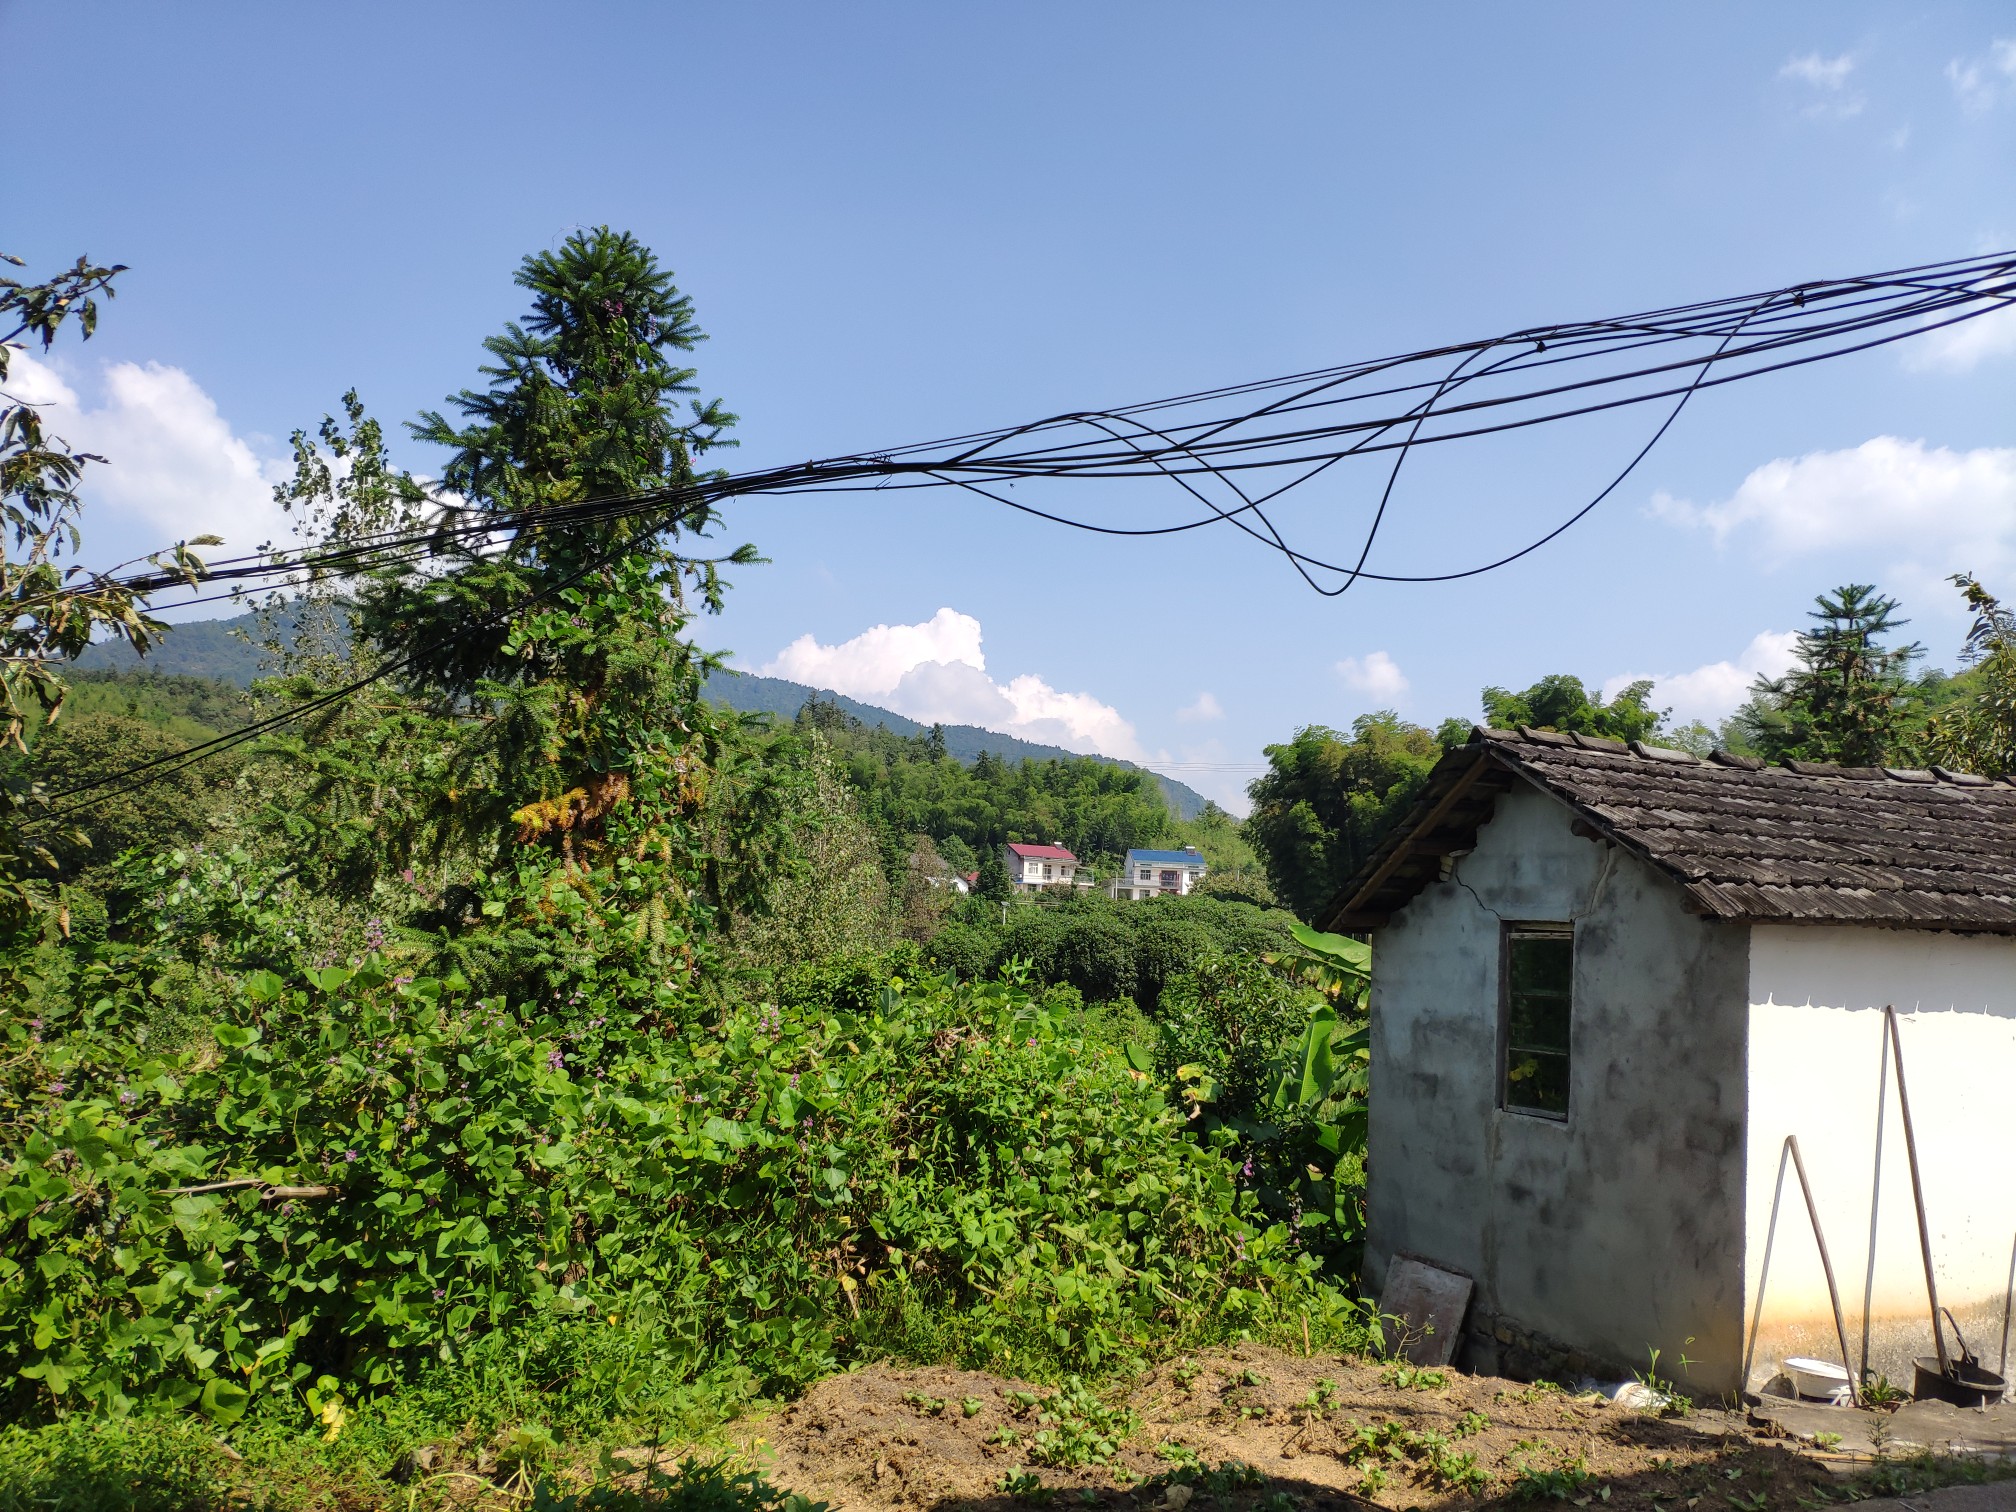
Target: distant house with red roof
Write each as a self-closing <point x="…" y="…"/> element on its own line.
<point x="1032" y="867"/>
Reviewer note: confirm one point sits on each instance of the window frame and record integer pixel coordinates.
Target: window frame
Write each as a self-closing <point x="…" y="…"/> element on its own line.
<point x="1508" y="931"/>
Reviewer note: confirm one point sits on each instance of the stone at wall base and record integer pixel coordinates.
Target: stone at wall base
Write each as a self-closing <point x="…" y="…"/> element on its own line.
<point x="1498" y="1345"/>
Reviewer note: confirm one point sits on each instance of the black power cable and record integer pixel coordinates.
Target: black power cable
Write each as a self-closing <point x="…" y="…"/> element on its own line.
<point x="1301" y="425"/>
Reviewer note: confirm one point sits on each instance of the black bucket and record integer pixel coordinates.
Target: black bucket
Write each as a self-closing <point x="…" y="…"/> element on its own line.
<point x="1964" y="1384"/>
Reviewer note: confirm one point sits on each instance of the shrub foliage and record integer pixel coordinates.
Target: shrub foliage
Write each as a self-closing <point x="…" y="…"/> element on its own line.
<point x="352" y="1174"/>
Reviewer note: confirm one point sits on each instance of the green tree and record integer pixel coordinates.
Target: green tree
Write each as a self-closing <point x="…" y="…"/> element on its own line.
<point x="960" y="856"/>
<point x="553" y="727"/>
<point x="1977" y="732"/>
<point x="1234" y="871"/>
<point x="994" y="884"/>
<point x="1561" y="702"/>
<point x="909" y="785"/>
<point x="1849" y="699"/>
<point x="169" y="811"/>
<point x="49" y="610"/>
<point x="1328" y="799"/>
<point x="834" y="901"/>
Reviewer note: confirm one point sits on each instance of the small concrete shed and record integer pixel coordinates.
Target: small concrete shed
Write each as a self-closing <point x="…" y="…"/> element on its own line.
<point x="1609" y="980"/>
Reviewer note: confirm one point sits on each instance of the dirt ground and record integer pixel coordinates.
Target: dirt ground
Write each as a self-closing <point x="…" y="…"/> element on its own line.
<point x="1257" y="1428"/>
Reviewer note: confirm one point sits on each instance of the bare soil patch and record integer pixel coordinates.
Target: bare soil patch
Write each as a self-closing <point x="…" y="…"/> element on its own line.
<point x="1255" y="1427"/>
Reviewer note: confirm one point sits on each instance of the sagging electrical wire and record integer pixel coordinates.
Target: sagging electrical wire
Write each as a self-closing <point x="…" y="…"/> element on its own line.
<point x="143" y="773"/>
<point x="1287" y="432"/>
<point x="1304" y="425"/>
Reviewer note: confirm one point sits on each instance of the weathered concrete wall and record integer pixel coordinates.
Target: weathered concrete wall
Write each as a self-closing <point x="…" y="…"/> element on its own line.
<point x="1621" y="1229"/>
<point x="1818" y="1070"/>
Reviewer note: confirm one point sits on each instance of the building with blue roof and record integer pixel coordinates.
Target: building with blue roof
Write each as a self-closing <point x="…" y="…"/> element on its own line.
<point x="1158" y="873"/>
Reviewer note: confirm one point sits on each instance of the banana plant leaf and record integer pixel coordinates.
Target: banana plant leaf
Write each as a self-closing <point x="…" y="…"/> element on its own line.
<point x="1338" y="952"/>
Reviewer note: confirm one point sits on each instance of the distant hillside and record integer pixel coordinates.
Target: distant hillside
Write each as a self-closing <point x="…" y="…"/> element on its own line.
<point x="784" y="698"/>
<point x="197" y="648"/>
<point x="211" y="648"/>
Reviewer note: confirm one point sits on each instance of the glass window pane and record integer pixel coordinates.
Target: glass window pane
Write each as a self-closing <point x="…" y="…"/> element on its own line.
<point x="1537" y="1083"/>
<point x="1542" y="963"/>
<point x="1538" y="1023"/>
<point x="1540" y="972"/>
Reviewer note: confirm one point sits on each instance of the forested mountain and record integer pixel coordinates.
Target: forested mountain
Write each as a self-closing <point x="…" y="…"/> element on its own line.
<point x="910" y="785"/>
<point x="214" y="649"/>
<point x="780" y="696"/>
<point x="193" y="648"/>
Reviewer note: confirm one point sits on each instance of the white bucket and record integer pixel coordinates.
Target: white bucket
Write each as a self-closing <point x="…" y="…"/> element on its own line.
<point x="1819" y="1380"/>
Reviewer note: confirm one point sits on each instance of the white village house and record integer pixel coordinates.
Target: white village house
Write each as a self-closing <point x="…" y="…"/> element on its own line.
<point x="1156" y="873"/>
<point x="1609" y="981"/>
<point x="1034" y="867"/>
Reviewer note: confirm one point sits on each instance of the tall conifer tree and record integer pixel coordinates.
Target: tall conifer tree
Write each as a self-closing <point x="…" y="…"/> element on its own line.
<point x="1848" y="700"/>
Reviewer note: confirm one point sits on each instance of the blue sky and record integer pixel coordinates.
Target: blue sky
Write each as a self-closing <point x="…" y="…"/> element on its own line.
<point x="903" y="221"/>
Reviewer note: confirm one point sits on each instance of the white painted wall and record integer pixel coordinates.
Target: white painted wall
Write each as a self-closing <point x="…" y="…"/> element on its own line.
<point x="1027" y="871"/>
<point x="1816" y="1069"/>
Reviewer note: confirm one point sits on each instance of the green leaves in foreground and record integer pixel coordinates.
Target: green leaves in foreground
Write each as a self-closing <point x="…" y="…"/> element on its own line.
<point x="350" y="1175"/>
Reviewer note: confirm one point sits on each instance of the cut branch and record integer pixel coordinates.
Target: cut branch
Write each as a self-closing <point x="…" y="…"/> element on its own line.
<point x="268" y="1191"/>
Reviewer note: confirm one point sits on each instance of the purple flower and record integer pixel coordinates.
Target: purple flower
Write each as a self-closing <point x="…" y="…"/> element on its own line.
<point x="794" y="1081"/>
<point x="555" y="1061"/>
<point x="1247" y="1169"/>
<point x="125" y="1097"/>
<point x="56" y="1089"/>
<point x="350" y="1157"/>
<point x="438" y="1293"/>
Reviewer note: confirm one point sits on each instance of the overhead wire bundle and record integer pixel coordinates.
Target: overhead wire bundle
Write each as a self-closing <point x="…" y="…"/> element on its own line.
<point x="1234" y="451"/>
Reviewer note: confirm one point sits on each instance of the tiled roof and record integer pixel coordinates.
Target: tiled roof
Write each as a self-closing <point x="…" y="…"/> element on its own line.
<point x="1164" y="858"/>
<point x="1042" y="852"/>
<point x="1802" y="842"/>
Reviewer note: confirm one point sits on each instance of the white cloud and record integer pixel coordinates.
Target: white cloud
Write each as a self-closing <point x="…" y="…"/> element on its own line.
<point x="1375" y="675"/>
<point x="1963" y="347"/>
<point x="1206" y="707"/>
<point x="873" y="662"/>
<point x="1710" y="693"/>
<point x="1980" y="83"/>
<point x="936" y="671"/>
<point x="1948" y="509"/>
<point x="174" y="468"/>
<point x="1828" y="79"/>
<point x="1821" y="73"/>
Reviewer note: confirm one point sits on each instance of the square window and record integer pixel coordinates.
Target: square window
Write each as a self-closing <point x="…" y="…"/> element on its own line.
<point x="1537" y="1015"/>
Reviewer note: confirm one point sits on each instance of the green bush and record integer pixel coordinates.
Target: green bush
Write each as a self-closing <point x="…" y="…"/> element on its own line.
<point x="111" y="1465"/>
<point x="1107" y="949"/>
<point x="1272" y="1071"/>
<point x="351" y="1176"/>
<point x="968" y="951"/>
<point x="700" y="1486"/>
